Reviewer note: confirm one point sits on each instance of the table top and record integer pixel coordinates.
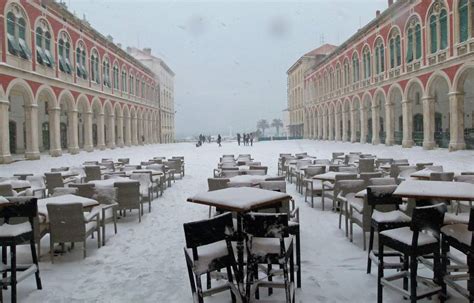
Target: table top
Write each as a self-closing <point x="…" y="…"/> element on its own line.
<point x="329" y="176"/>
<point x="17" y="184"/>
<point x="153" y="172"/>
<point x="424" y="173"/>
<point x="239" y="199"/>
<point x="435" y="189"/>
<point x="65" y="199"/>
<point x="110" y="182"/>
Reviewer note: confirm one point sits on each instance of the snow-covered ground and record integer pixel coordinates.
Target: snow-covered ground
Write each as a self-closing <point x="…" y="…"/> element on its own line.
<point x="145" y="263"/>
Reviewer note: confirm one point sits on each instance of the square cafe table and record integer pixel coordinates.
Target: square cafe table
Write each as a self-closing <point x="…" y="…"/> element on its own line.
<point x="423" y="190"/>
<point x="329" y="176"/>
<point x="240" y="200"/>
<point x="64" y="199"/>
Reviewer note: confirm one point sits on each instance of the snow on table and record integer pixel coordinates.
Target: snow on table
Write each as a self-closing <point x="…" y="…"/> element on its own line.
<point x="435" y="189"/>
<point x="329" y="176"/>
<point x="17" y="184"/>
<point x="239" y="199"/>
<point x="426" y="173"/>
<point x="110" y="182"/>
<point x="65" y="199"/>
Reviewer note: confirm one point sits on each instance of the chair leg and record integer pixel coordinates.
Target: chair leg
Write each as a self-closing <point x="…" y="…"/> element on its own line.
<point x="413" y="273"/>
<point x="13" y="272"/>
<point x="364" y="238"/>
<point x="35" y="261"/>
<point x="270" y="278"/>
<point x="98" y="237"/>
<point x="406" y="266"/>
<point x="51" y="248"/>
<point x="380" y="274"/>
<point x="438" y="271"/>
<point x="199" y="289"/>
<point x="208" y="280"/>
<point x="371" y="247"/>
<point x="103" y="232"/>
<point x="298" y="259"/>
<point x="4" y="262"/>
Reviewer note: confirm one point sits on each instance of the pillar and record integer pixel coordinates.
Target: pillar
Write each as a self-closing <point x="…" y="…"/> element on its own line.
<point x="111" y="132"/>
<point x="428" y="122"/>
<point x="337" y="126"/>
<point x="315" y="127"/>
<point x="31" y="129"/>
<point x="344" y="126"/>
<point x="140" y="131"/>
<point x="128" y="131"/>
<point x="134" y="131"/>
<point x="456" y="121"/>
<point x="54" y="132"/>
<point x="407" y="117"/>
<point x="363" y="125"/>
<point x="354" y="112"/>
<point x="73" y="132"/>
<point x="5" y="156"/>
<point x="389" y="124"/>
<point x="325" y="126"/>
<point x="119" y="134"/>
<point x="376" y="124"/>
<point x="331" y="126"/>
<point x="100" y="132"/>
<point x="88" y="144"/>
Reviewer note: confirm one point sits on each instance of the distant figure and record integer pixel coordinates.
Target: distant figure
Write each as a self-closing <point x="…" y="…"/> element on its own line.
<point x="219" y="140"/>
<point x="143" y="139"/>
<point x="238" y="138"/>
<point x="251" y="139"/>
<point x="209" y="139"/>
<point x="246" y="139"/>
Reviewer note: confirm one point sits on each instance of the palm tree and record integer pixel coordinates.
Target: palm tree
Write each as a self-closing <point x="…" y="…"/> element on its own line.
<point x="277" y="123"/>
<point x="263" y="125"/>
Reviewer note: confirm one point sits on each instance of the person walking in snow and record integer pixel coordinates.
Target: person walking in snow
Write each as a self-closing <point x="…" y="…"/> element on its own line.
<point x="238" y="138"/>
<point x="219" y="140"/>
<point x="251" y="139"/>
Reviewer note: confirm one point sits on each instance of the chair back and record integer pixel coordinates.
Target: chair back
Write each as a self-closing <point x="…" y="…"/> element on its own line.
<point x="401" y="162"/>
<point x="59" y="169"/>
<point x="303" y="163"/>
<point x="86" y="163"/>
<point x="129" y="167"/>
<point x="351" y="158"/>
<point x="105" y="195"/>
<point x="345" y="187"/>
<point x="228" y="156"/>
<point x="427" y="218"/>
<point x="85" y="190"/>
<point x="229" y="165"/>
<point x="467" y="173"/>
<point x="229" y="173"/>
<point x="258" y="167"/>
<point x="6" y="190"/>
<point x="382" y="181"/>
<point x="444" y="176"/>
<point x="20" y="207"/>
<point x="382" y="195"/>
<point x="66" y="222"/>
<point x="208" y="231"/>
<point x="366" y="165"/>
<point x="53" y="180"/>
<point x="128" y="194"/>
<point x="324" y="162"/>
<point x="123" y="160"/>
<point x="144" y="177"/>
<point x="336" y="155"/>
<point x="256" y="172"/>
<point x="217" y="183"/>
<point x="174" y="165"/>
<point x="36" y="181"/>
<point x="404" y="172"/>
<point x="347" y="169"/>
<point x="279" y="178"/>
<point x="266" y="225"/>
<point x="382" y="161"/>
<point x="367" y="176"/>
<point x="395" y="169"/>
<point x="61" y="191"/>
<point x="279" y="186"/>
<point x="109" y="165"/>
<point x="92" y="173"/>
<point x="465" y="178"/>
<point x="301" y="155"/>
<point x="420" y="166"/>
<point x="470" y="226"/>
<point x="314" y="170"/>
<point x="343" y="177"/>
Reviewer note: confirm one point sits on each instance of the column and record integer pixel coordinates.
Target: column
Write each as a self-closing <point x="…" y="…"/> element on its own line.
<point x="73" y="132"/>
<point x="54" y="132"/>
<point x="134" y="131"/>
<point x="315" y="127"/>
<point x="140" y="131"/>
<point x="407" y="117"/>
<point x="331" y="126"/>
<point x="88" y="144"/>
<point x="128" y="131"/>
<point x="100" y="132"/>
<point x="338" y="126"/>
<point x="31" y="129"/>
<point x="5" y="156"/>
<point x="456" y="124"/>
<point x="120" y="140"/>
<point x="354" y="114"/>
<point x="376" y="124"/>
<point x="344" y="126"/>
<point x="325" y="126"/>
<point x="428" y="122"/>
<point x="111" y="132"/>
<point x="389" y="125"/>
<point x="363" y="125"/>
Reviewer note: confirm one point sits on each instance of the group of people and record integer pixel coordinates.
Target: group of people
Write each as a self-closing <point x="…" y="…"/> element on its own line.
<point x="247" y="139"/>
<point x="203" y="139"/>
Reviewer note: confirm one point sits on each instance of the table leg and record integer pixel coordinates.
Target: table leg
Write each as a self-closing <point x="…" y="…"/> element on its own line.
<point x="240" y="248"/>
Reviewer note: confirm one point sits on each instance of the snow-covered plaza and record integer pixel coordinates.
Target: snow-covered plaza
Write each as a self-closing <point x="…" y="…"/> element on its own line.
<point x="144" y="262"/>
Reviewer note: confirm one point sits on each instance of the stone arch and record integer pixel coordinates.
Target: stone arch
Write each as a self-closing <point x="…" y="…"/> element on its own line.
<point x="97" y="124"/>
<point x="68" y="122"/>
<point x="379" y="126"/>
<point x="127" y="120"/>
<point x="366" y="131"/>
<point x="436" y="111"/>
<point x="462" y="99"/>
<point x="355" y="119"/>
<point x="109" y="124"/>
<point x="47" y="118"/>
<point x="84" y="123"/>
<point x="134" y="125"/>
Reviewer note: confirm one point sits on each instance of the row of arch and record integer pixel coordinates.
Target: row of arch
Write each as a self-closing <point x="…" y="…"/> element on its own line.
<point x="438" y="114"/>
<point x="406" y="42"/>
<point x="33" y="123"/>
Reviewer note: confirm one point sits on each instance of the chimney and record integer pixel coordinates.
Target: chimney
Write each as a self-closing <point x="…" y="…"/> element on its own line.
<point x="377" y="13"/>
<point x="147" y="50"/>
<point x="390" y="3"/>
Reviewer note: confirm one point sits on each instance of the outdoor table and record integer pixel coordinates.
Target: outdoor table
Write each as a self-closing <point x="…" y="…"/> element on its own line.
<point x="240" y="200"/>
<point x="247" y="180"/>
<point x="67" y="174"/>
<point x="17" y="185"/>
<point x="22" y="176"/>
<point x="423" y="190"/>
<point x="110" y="182"/>
<point x="153" y="172"/>
<point x="329" y="176"/>
<point x="361" y="194"/>
<point x="423" y="174"/>
<point x="65" y="199"/>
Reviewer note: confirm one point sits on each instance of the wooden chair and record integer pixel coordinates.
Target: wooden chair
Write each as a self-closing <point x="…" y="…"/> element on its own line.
<point x="54" y="180"/>
<point x="312" y="186"/>
<point x="128" y="197"/>
<point x="366" y="165"/>
<point x="93" y="173"/>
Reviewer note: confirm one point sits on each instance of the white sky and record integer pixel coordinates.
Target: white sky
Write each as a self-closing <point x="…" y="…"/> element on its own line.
<point x="230" y="57"/>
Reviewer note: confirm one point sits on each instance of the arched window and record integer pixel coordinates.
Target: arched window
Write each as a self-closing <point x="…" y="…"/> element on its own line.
<point x="438" y="27"/>
<point x="413" y="40"/>
<point x="64" y="53"/>
<point x="131" y="84"/>
<point x="106" y="72"/>
<point x="463" y="20"/>
<point x="124" y="79"/>
<point x="95" y="76"/>
<point x="366" y="62"/>
<point x="379" y="57"/>
<point x="137" y="86"/>
<point x="355" y="68"/>
<point x="347" y="75"/>
<point x="395" y="49"/>
<point x="16" y="33"/>
<point x="143" y="89"/>
<point x="81" y="69"/>
<point x="116" y="77"/>
<point x="43" y="44"/>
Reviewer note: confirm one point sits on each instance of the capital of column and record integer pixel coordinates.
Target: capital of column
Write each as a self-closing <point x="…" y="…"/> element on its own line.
<point x="31" y="105"/>
<point x="54" y="109"/>
<point x="455" y="93"/>
<point x="427" y="99"/>
<point x="4" y="103"/>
